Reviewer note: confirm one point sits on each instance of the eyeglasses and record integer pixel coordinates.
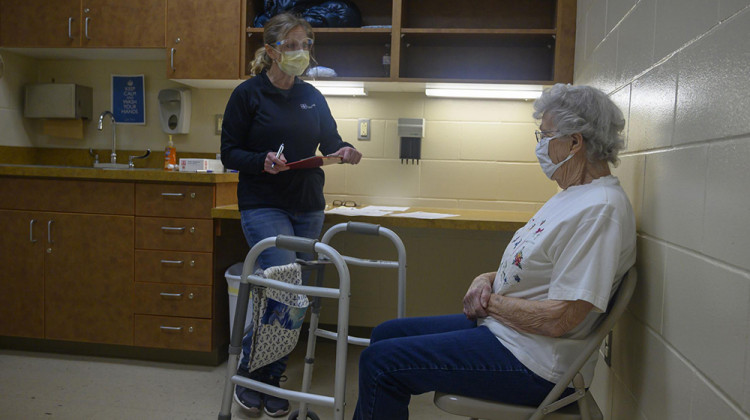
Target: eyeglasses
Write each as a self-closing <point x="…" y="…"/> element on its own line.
<point x="542" y="134"/>
<point x="348" y="203"/>
<point x="294" y="44"/>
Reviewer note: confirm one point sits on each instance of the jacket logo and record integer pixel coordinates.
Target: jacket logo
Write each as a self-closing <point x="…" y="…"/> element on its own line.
<point x="306" y="106"/>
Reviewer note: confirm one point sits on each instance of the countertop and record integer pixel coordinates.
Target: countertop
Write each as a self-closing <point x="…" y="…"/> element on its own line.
<point x="466" y="218"/>
<point x="137" y="174"/>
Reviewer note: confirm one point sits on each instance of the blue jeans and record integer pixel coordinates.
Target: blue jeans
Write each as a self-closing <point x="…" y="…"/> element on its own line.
<point x="447" y="353"/>
<point x="258" y="224"/>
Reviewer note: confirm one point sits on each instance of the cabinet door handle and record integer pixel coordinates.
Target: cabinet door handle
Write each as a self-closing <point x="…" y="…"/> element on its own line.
<point x="181" y="195"/>
<point x="172" y="229"/>
<point x="70" y="28"/>
<point x="49" y="232"/>
<point x="172" y="262"/>
<point x="171" y="295"/>
<point x="31" y="231"/>
<point x="171" y="58"/>
<point x="165" y="328"/>
<point x="86" y="28"/>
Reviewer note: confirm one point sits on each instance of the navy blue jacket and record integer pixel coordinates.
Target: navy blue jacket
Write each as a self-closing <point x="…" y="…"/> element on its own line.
<point x="258" y="118"/>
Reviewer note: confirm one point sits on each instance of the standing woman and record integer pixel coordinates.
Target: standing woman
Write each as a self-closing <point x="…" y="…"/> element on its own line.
<point x="273" y="108"/>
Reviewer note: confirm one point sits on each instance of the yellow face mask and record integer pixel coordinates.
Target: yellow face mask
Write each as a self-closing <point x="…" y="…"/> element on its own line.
<point x="294" y="63"/>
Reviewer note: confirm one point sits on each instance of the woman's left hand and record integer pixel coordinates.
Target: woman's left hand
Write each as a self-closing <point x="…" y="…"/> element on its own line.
<point x="478" y="296"/>
<point x="349" y="155"/>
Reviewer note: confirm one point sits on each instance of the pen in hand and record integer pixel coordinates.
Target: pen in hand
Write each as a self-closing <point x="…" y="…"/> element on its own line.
<point x="281" y="149"/>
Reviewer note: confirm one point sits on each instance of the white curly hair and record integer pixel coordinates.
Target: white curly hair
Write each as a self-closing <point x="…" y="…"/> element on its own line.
<point x="585" y="110"/>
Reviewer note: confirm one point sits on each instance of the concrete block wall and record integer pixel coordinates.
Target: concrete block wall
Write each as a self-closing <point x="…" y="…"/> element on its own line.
<point x="679" y="71"/>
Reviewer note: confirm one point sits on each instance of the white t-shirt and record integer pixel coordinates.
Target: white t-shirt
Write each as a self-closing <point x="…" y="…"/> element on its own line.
<point x="577" y="246"/>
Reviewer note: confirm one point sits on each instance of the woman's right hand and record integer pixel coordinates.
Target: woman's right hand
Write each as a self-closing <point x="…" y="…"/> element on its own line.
<point x="274" y="165"/>
<point x="478" y="296"/>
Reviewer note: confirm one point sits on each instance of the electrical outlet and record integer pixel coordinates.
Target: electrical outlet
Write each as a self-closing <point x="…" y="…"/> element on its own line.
<point x="219" y="119"/>
<point x="363" y="129"/>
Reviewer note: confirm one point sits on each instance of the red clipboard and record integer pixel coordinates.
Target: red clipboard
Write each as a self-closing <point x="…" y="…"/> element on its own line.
<point x="314" y="162"/>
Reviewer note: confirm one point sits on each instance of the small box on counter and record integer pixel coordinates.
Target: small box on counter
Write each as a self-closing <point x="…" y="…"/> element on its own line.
<point x="201" y="165"/>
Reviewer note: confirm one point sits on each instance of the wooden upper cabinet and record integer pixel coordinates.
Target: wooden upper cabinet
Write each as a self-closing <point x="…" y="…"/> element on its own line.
<point x="203" y="39"/>
<point x="35" y="23"/>
<point x="83" y="23"/>
<point x="117" y="23"/>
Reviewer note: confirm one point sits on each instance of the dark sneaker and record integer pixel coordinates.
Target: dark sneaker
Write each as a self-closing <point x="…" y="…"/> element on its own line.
<point x="248" y="399"/>
<point x="274" y="406"/>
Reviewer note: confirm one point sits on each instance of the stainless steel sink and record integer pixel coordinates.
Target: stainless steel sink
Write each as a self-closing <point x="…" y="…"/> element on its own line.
<point x="111" y="165"/>
<point x="131" y="169"/>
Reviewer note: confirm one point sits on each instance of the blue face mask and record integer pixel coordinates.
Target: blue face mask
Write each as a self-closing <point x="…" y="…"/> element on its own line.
<point x="542" y="155"/>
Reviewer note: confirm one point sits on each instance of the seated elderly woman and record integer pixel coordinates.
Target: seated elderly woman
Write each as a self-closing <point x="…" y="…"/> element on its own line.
<point x="522" y="325"/>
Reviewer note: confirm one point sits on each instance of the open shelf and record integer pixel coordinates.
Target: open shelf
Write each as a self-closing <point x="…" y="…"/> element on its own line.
<point x="491" y="41"/>
<point x="479" y="14"/>
<point x="477" y="57"/>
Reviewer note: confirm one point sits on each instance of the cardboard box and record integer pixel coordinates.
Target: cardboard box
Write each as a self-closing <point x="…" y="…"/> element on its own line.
<point x="193" y="165"/>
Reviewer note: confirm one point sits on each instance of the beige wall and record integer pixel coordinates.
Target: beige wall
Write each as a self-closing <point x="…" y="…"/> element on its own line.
<point x="679" y="70"/>
<point x="475" y="154"/>
<point x="18" y="71"/>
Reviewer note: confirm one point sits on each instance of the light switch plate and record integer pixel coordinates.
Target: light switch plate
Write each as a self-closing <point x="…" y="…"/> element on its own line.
<point x="219" y="118"/>
<point x="363" y="129"/>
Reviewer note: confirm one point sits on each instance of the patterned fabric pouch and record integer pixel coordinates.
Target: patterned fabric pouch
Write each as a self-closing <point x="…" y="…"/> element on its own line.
<point x="278" y="315"/>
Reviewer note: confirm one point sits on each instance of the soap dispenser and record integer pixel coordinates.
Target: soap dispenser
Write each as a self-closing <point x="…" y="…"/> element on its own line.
<point x="170" y="156"/>
<point x="174" y="110"/>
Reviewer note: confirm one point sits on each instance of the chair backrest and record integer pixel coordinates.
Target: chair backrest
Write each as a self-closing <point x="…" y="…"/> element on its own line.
<point x="617" y="306"/>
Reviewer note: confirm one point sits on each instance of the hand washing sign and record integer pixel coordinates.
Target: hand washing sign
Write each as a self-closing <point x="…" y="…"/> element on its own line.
<point x="129" y="99"/>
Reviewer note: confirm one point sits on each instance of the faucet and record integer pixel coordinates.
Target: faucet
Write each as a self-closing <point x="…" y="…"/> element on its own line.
<point x="131" y="165"/>
<point x="113" y="156"/>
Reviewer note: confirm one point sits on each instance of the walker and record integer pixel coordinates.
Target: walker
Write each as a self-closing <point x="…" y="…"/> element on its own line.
<point x="326" y="255"/>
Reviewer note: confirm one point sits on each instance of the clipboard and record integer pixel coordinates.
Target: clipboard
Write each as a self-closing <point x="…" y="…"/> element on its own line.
<point x="314" y="162"/>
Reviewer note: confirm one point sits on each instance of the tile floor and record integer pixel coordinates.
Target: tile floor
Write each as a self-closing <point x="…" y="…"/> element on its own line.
<point x="55" y="386"/>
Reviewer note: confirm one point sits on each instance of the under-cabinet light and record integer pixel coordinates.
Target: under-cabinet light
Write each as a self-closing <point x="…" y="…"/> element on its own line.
<point x="482" y="91"/>
<point x="334" y="88"/>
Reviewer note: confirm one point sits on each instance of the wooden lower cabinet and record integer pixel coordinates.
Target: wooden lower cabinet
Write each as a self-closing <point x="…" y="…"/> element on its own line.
<point x="88" y="272"/>
<point x="171" y="332"/>
<point x="67" y="276"/>
<point x="173" y="267"/>
<point x="89" y="261"/>
<point x="173" y="299"/>
<point x="177" y="288"/>
<point x="21" y="274"/>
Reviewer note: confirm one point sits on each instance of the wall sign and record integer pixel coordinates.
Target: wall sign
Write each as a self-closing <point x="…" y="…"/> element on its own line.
<point x="129" y="99"/>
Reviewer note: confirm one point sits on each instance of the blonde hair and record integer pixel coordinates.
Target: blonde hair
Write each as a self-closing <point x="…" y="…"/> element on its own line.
<point x="275" y="30"/>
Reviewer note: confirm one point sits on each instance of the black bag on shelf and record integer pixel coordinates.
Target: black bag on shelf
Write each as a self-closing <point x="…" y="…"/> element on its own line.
<point x="319" y="13"/>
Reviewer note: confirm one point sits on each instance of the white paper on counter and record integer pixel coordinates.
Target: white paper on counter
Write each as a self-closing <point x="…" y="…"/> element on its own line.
<point x="387" y="208"/>
<point x="423" y="215"/>
<point x="353" y="211"/>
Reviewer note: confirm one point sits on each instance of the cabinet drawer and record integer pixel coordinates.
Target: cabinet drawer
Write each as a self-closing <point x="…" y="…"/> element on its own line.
<point x="75" y="196"/>
<point x="170" y="200"/>
<point x="173" y="300"/>
<point x="173" y="267"/>
<point x="174" y="234"/>
<point x="173" y="333"/>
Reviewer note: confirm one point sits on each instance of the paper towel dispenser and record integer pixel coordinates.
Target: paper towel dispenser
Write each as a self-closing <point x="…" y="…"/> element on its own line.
<point x="58" y="100"/>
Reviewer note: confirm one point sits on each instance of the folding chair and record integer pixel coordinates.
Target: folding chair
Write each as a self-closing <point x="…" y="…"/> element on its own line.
<point x="552" y="408"/>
